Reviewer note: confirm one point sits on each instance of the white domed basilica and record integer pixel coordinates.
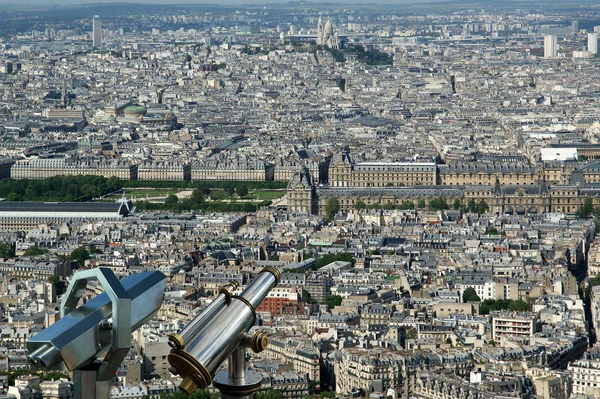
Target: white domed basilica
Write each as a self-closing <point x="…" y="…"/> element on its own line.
<point x="326" y="36"/>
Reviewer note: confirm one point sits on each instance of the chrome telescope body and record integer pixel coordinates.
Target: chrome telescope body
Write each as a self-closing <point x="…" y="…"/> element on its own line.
<point x="219" y="334"/>
<point x="103" y="324"/>
<point x="189" y="332"/>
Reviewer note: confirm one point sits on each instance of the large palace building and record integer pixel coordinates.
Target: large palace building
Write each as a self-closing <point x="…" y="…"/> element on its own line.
<point x="304" y="196"/>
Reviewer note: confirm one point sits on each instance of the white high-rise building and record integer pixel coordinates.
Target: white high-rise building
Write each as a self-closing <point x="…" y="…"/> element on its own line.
<point x="550" y="46"/>
<point x="593" y="43"/>
<point x="97" y="31"/>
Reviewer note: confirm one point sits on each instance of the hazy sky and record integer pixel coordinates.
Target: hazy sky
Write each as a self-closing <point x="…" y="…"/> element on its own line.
<point x="74" y="2"/>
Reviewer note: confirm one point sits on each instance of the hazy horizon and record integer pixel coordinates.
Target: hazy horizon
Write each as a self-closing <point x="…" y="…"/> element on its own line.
<point x="258" y="2"/>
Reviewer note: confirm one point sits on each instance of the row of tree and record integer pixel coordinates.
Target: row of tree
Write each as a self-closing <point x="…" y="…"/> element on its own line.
<point x="190" y="204"/>
<point x="331" y="301"/>
<point x="226" y="185"/>
<point x="470" y="295"/>
<point x="332" y="206"/>
<point x="587" y="209"/>
<point x="85" y="188"/>
<point x="370" y="57"/>
<point x="58" y="188"/>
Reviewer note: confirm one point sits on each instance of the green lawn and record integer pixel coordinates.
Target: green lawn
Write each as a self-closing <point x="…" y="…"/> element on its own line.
<point x="143" y="193"/>
<point x="267" y="195"/>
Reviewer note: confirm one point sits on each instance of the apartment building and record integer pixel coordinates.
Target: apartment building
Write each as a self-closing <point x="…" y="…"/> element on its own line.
<point x="518" y="324"/>
<point x="63" y="113"/>
<point x="302" y="355"/>
<point x="586" y="374"/>
<point x="277" y="298"/>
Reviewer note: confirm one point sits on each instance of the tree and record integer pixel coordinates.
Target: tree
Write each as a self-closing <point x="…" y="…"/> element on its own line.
<point x="468" y="293"/>
<point x="491" y="230"/>
<point x="472" y="206"/>
<point x="34" y="251"/>
<point x="482" y="207"/>
<point x="230" y="190"/>
<point x="360" y="205"/>
<point x="7" y="250"/>
<point x="456" y="205"/>
<point x="333" y="300"/>
<point x="171" y="199"/>
<point x="79" y="256"/>
<point x="332" y="207"/>
<point x="421" y="204"/>
<point x="389" y="205"/>
<point x="586" y="209"/>
<point x="242" y="190"/>
<point x="54" y="279"/>
<point x="474" y="298"/>
<point x="94" y="250"/>
<point x="411" y="333"/>
<point x="501" y="304"/>
<point x="438" y="204"/>
<point x="306" y="297"/>
<point x="406" y="205"/>
<point x="198" y="196"/>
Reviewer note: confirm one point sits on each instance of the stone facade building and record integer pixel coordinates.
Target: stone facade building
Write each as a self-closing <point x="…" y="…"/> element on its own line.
<point x="42" y="168"/>
<point x="237" y="170"/>
<point x="343" y="172"/>
<point x="164" y="171"/>
<point x="501" y="199"/>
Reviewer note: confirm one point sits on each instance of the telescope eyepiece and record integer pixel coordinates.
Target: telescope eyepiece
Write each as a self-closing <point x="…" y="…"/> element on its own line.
<point x="258" y="341"/>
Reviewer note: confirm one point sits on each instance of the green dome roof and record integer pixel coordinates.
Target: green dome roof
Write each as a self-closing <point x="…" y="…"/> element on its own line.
<point x="135" y="110"/>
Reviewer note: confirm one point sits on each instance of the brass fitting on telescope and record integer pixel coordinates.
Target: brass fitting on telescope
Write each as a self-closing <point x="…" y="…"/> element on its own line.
<point x="196" y="375"/>
<point x="258" y="341"/>
<point x="229" y="292"/>
<point x="274" y="271"/>
<point x="176" y="341"/>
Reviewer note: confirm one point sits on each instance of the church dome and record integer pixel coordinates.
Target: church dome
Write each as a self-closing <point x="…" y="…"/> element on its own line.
<point x="329" y="27"/>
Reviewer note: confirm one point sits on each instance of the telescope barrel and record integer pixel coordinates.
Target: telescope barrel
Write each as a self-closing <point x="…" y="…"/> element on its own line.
<point x="83" y="333"/>
<point x="217" y="338"/>
<point x="259" y="288"/>
<point x="190" y="330"/>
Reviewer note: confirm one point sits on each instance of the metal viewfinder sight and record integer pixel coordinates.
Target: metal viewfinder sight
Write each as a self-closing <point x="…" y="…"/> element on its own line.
<point x="101" y="325"/>
<point x="219" y="332"/>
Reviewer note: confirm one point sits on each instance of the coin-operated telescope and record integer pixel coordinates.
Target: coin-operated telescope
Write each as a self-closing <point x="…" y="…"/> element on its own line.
<point x="100" y="326"/>
<point x="221" y="332"/>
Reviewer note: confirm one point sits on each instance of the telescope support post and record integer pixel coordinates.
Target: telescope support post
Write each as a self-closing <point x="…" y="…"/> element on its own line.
<point x="237" y="382"/>
<point x="87" y="387"/>
<point x="237" y="364"/>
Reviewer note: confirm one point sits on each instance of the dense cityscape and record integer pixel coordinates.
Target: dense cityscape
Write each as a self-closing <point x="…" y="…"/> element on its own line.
<point x="423" y="176"/>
